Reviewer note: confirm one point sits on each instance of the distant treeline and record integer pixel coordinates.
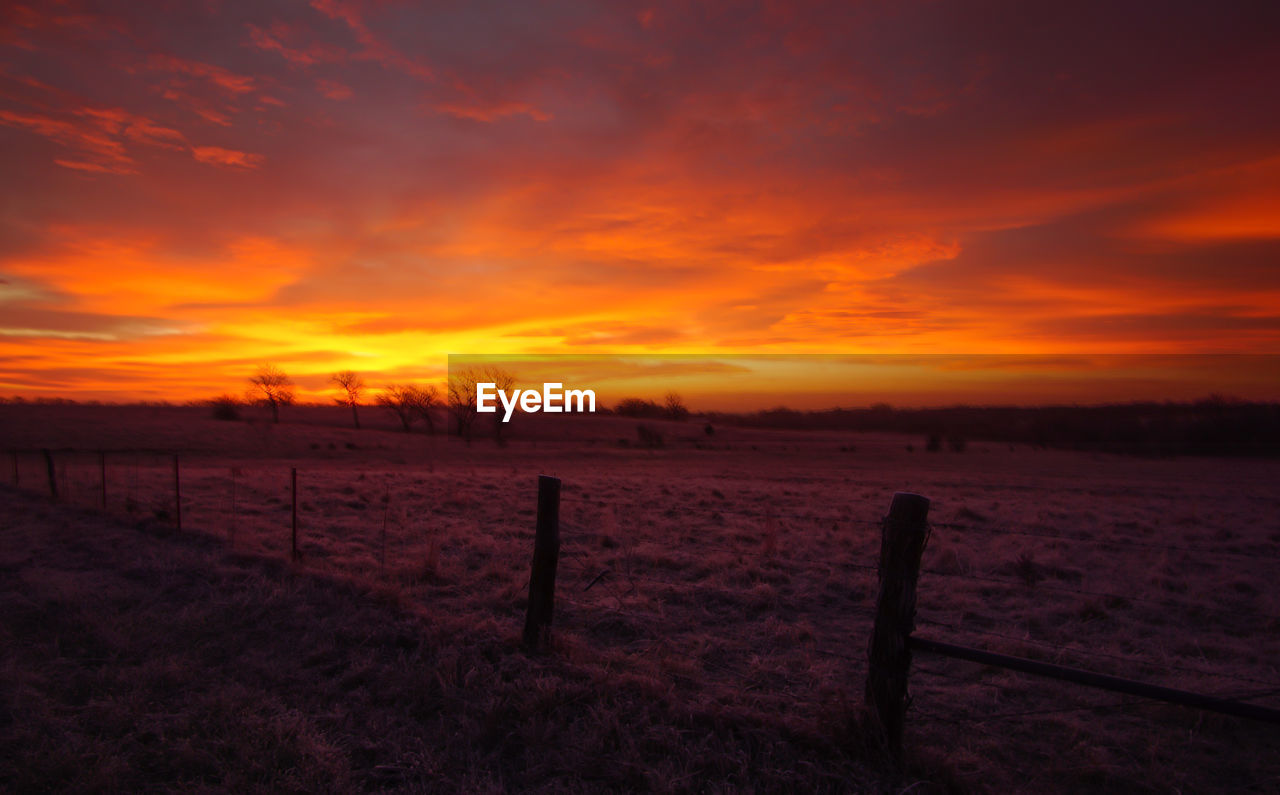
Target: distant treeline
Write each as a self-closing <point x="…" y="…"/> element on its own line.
<point x="1214" y="426"/>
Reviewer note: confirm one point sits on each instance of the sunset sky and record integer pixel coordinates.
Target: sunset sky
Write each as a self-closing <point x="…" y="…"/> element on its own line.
<point x="194" y="188"/>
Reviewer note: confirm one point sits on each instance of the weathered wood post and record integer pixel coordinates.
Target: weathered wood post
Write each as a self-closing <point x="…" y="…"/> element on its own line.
<point x="293" y="542"/>
<point x="16" y="480"/>
<point x="53" y="476"/>
<point x="177" y="494"/>
<point x="102" y="476"/>
<point x="902" y="540"/>
<point x="542" y="577"/>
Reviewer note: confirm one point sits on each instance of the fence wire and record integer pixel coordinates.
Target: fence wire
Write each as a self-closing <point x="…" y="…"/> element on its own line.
<point x="95" y="479"/>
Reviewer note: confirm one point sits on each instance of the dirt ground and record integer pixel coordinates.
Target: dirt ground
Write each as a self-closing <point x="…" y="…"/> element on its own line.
<point x="714" y="604"/>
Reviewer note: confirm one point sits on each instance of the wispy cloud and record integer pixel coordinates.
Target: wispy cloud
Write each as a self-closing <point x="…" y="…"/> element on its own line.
<point x="388" y="181"/>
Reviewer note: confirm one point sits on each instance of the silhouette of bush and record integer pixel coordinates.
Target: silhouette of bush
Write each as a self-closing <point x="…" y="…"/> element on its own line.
<point x="649" y="437"/>
<point x="225" y="407"/>
<point x="639" y="408"/>
<point x="673" y="407"/>
<point x="410" y="402"/>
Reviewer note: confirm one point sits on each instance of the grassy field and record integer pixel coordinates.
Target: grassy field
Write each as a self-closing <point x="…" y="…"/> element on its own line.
<point x="715" y="599"/>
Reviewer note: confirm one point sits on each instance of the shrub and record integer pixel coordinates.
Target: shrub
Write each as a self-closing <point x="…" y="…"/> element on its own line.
<point x="673" y="407"/>
<point x="649" y="437"/>
<point x="638" y="407"/>
<point x="225" y="407"/>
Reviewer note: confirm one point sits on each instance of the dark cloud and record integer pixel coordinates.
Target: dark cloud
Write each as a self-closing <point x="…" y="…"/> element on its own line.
<point x="817" y="174"/>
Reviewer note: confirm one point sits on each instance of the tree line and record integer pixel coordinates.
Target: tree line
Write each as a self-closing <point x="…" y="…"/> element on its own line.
<point x="271" y="387"/>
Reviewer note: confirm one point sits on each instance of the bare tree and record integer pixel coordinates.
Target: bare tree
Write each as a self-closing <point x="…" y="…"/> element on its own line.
<point x="462" y="396"/>
<point x="409" y="402"/>
<point x="272" y="387"/>
<point x="673" y="406"/>
<point x="351" y="385"/>
<point x="428" y="399"/>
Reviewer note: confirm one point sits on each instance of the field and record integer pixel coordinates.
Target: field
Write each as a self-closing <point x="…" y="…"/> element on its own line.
<point x="715" y="599"/>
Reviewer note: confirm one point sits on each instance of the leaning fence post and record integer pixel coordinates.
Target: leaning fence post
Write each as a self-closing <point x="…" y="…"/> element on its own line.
<point x="542" y="577"/>
<point x="293" y="541"/>
<point x="102" y="474"/>
<point x="902" y="539"/>
<point x="177" y="494"/>
<point x="16" y="480"/>
<point x="53" y="477"/>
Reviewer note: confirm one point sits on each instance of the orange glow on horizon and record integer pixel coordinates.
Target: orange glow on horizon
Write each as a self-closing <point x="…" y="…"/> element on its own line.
<point x="351" y="185"/>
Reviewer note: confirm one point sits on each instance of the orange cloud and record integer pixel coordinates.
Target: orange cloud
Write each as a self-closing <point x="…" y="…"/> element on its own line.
<point x="488" y="113"/>
<point x="218" y="156"/>
<point x="375" y="47"/>
<point x="795" y="177"/>
<point x="334" y="90"/>
<point x="94" y="139"/>
<point x="223" y="78"/>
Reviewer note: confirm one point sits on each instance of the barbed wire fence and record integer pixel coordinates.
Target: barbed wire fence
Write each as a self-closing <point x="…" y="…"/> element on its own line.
<point x="613" y="571"/>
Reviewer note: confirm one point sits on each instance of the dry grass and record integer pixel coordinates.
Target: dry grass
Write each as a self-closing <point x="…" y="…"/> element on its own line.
<point x="710" y="632"/>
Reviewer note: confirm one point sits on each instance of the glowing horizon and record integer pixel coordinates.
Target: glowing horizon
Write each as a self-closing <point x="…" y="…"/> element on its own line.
<point x="196" y="189"/>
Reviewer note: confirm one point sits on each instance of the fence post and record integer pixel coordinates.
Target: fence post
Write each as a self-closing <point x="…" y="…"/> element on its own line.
<point x="16" y="480"/>
<point x="293" y="543"/>
<point x="102" y="474"/>
<point x="542" y="577"/>
<point x="177" y="493"/>
<point x="902" y="539"/>
<point x="53" y="476"/>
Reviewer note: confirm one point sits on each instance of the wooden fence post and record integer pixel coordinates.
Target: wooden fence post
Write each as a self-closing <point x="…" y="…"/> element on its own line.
<point x="902" y="539"/>
<point x="542" y="577"/>
<point x="102" y="474"/>
<point x="16" y="480"/>
<point x="177" y="493"/>
<point x="293" y="543"/>
<point x="53" y="477"/>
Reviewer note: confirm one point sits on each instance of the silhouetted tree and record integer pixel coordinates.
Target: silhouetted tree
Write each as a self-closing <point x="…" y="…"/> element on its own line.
<point x="462" y="396"/>
<point x="351" y="385"/>
<point x="673" y="406"/>
<point x="270" y="386"/>
<point x="409" y="402"/>
<point x="428" y="399"/>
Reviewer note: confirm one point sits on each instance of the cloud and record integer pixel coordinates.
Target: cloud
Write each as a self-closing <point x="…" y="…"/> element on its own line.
<point x="373" y="46"/>
<point x="334" y="90"/>
<point x="101" y="136"/>
<point x="489" y="113"/>
<point x="224" y="79"/>
<point x="216" y="155"/>
<point x="278" y="38"/>
<point x="92" y="137"/>
<point x="810" y="176"/>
